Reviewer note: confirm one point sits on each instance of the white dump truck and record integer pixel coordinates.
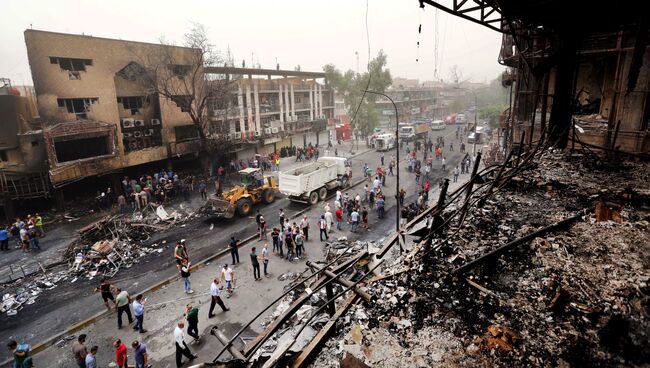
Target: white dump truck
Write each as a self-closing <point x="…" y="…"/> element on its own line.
<point x="309" y="183"/>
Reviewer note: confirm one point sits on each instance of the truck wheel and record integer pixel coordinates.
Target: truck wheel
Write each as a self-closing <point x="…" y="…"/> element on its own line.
<point x="244" y="207"/>
<point x="344" y="181"/>
<point x="322" y="193"/>
<point x="268" y="196"/>
<point x="313" y="198"/>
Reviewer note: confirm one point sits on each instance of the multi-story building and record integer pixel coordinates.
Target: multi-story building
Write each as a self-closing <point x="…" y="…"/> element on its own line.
<point x="271" y="108"/>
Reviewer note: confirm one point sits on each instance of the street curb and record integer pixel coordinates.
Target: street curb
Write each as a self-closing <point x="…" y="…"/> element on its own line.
<point x="37" y="348"/>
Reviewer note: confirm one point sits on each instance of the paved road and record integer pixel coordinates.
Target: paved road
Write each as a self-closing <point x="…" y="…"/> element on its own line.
<point x="57" y="309"/>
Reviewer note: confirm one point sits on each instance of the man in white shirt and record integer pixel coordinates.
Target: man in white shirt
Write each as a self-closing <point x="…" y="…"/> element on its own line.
<point x="215" y="293"/>
<point x="354" y="216"/>
<point x="181" y="346"/>
<point x="265" y="258"/>
<point x="329" y="218"/>
<point x="304" y="226"/>
<point x="322" y="226"/>
<point x="338" y="195"/>
<point x="228" y="275"/>
<point x="377" y="183"/>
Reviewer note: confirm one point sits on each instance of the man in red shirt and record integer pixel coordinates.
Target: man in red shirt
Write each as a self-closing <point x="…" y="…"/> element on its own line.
<point x="120" y="354"/>
<point x="339" y="217"/>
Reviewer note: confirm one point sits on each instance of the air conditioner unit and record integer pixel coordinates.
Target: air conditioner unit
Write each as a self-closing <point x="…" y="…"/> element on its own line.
<point x="148" y="132"/>
<point x="155" y="121"/>
<point x="237" y="135"/>
<point x="267" y="130"/>
<point x="274" y="130"/>
<point x="258" y="133"/>
<point x="127" y="135"/>
<point x="137" y="134"/>
<point x="138" y="123"/>
<point x="127" y="123"/>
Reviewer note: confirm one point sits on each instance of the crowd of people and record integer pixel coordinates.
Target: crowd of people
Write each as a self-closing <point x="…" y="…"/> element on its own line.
<point x="25" y="233"/>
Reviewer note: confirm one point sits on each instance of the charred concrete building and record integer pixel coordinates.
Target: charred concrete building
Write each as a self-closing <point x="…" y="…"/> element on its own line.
<point x="98" y="117"/>
<point x="579" y="71"/>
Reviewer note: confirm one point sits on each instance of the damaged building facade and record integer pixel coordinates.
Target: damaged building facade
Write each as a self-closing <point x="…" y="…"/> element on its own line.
<point x="98" y="116"/>
<point x="272" y="108"/>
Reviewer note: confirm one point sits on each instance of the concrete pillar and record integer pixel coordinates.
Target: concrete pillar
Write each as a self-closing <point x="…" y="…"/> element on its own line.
<point x="320" y="99"/>
<point x="293" y="102"/>
<point x="249" y="106"/>
<point x="240" y="102"/>
<point x="286" y="98"/>
<point x="257" y="107"/>
<point x="281" y="103"/>
<point x="311" y="103"/>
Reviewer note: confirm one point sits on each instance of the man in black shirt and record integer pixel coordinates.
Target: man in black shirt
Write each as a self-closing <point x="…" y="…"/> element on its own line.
<point x="234" y="249"/>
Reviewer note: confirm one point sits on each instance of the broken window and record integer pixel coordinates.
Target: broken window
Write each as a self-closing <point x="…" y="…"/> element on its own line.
<point x="183" y="101"/>
<point x="74" y="67"/>
<point x="179" y="70"/>
<point x="132" y="103"/>
<point x="77" y="106"/>
<point x="3" y="155"/>
<point x="186" y="132"/>
<point x="131" y="71"/>
<point x="77" y="149"/>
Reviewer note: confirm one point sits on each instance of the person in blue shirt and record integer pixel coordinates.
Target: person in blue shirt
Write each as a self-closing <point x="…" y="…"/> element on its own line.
<point x="138" y="312"/>
<point x="4" y="238"/>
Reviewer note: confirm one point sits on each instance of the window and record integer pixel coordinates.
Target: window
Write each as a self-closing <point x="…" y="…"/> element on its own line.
<point x="78" y="149"/>
<point x="183" y="101"/>
<point x="186" y="132"/>
<point x="179" y="70"/>
<point x="77" y="106"/>
<point x="74" y="67"/>
<point x="133" y="103"/>
<point x="3" y="155"/>
<point x="34" y="143"/>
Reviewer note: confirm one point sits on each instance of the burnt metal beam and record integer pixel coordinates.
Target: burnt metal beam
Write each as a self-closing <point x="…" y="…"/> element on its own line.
<point x="214" y="331"/>
<point x="504" y="248"/>
<point x="347" y="283"/>
<point x="457" y="11"/>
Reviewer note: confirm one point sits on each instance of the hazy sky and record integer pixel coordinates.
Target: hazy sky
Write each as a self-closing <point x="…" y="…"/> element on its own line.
<point x="308" y="33"/>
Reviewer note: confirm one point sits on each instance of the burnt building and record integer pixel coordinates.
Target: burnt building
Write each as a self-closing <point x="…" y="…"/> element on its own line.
<point x="579" y="71"/>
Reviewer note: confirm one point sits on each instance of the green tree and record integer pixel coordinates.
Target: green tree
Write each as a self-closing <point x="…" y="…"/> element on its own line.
<point x="491" y="113"/>
<point x="351" y="86"/>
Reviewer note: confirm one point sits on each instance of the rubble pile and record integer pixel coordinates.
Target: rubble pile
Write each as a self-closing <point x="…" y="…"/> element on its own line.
<point x="101" y="249"/>
<point x="577" y="296"/>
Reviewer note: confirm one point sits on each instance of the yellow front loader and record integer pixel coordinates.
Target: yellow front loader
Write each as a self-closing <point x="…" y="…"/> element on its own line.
<point x="242" y="196"/>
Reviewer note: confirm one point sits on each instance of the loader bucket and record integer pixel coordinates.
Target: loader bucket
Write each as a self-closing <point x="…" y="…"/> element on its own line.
<point x="219" y="208"/>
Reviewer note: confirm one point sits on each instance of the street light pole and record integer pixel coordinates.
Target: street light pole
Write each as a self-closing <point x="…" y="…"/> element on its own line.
<point x="397" y="205"/>
<point x="475" y="114"/>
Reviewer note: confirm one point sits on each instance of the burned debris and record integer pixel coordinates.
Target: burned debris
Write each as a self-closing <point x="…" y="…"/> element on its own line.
<point x="544" y="263"/>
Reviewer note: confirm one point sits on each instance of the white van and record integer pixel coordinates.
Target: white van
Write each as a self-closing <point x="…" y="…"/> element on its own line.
<point x="438" y="125"/>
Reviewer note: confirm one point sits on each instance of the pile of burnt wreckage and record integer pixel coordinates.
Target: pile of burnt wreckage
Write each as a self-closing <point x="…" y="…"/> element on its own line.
<point x="100" y="249"/>
<point x="542" y="260"/>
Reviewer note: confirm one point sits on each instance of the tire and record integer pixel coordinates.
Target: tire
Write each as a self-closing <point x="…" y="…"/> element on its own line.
<point x="313" y="198"/>
<point x="268" y="196"/>
<point x="322" y="193"/>
<point x="244" y="207"/>
<point x="345" y="181"/>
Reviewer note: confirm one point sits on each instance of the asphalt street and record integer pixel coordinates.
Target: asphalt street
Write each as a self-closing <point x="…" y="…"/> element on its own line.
<point x="69" y="303"/>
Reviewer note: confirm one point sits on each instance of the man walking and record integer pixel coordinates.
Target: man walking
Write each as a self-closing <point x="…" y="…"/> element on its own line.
<point x="106" y="291"/>
<point x="382" y="159"/>
<point x="322" y="225"/>
<point x="256" y="265"/>
<point x="339" y="218"/>
<point x="444" y="164"/>
<point x="228" y="276"/>
<point x="192" y="316"/>
<point x="120" y="354"/>
<point x="138" y="312"/>
<point x="215" y="294"/>
<point x="234" y="249"/>
<point x="122" y="301"/>
<point x="329" y="218"/>
<point x="140" y="353"/>
<point x="181" y="346"/>
<point x="299" y="245"/>
<point x="79" y="351"/>
<point x="380" y="206"/>
<point x="262" y="226"/>
<point x="185" y="275"/>
<point x="456" y="174"/>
